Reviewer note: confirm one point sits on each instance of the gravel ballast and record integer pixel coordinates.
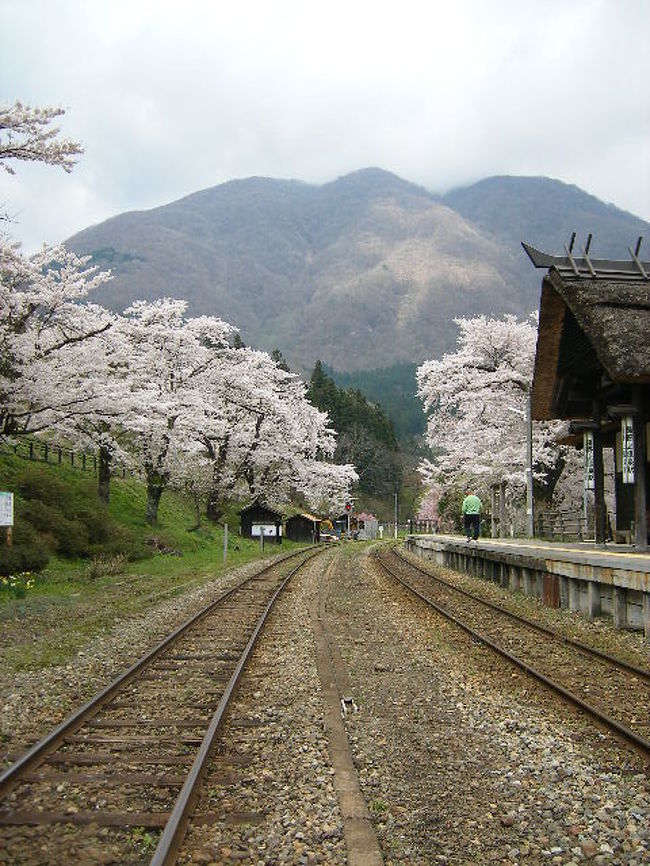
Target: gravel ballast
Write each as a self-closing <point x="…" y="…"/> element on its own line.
<point x="461" y="759"/>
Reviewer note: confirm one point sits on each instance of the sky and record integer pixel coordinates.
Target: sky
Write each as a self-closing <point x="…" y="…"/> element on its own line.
<point x="168" y="98"/>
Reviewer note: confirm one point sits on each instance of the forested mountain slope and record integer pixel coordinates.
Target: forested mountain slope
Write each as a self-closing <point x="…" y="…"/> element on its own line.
<point x="364" y="272"/>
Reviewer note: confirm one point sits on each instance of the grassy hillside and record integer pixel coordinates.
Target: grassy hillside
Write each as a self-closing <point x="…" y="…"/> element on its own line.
<point x="47" y="615"/>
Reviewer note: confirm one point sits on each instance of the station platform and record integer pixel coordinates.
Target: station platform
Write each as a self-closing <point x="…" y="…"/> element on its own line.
<point x="597" y="580"/>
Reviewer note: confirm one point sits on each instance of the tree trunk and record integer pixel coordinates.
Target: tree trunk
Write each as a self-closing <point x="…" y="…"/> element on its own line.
<point x="104" y="484"/>
<point x="544" y="490"/>
<point x="214" y="508"/>
<point x="197" y="509"/>
<point x="155" y="488"/>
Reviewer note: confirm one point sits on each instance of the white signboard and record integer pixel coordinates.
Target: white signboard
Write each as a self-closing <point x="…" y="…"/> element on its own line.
<point x="6" y="509"/>
<point x="268" y="530"/>
<point x="588" y="440"/>
<point x="627" y="449"/>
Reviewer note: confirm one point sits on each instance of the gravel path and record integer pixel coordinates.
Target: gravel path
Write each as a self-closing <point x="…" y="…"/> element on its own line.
<point x="461" y="759"/>
<point x="465" y="761"/>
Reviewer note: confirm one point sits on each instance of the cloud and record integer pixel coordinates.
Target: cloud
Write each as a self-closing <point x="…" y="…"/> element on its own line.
<point x="170" y="98"/>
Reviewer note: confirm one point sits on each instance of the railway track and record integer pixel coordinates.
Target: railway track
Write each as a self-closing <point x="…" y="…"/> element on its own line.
<point x="610" y="690"/>
<point x="128" y="765"/>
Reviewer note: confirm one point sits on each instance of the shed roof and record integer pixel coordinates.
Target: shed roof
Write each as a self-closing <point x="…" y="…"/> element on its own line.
<point x="589" y="326"/>
<point x="365" y="516"/>
<point x="303" y="515"/>
<point x="257" y="503"/>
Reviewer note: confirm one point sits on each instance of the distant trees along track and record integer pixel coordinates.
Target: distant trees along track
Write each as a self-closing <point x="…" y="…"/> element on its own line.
<point x="613" y="692"/>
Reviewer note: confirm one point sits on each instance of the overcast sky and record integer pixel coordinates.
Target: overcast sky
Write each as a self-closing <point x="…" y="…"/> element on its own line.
<point x="172" y="97"/>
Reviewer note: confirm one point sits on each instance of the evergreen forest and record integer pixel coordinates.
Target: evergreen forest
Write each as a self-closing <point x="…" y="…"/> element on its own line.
<point x="366" y="437"/>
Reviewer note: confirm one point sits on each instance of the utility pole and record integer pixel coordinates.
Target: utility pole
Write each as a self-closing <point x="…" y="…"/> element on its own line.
<point x="527" y="416"/>
<point x="396" y="515"/>
<point x="530" y="516"/>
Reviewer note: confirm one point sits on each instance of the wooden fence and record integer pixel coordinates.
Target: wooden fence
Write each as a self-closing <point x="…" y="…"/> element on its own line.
<point x="563" y="526"/>
<point x="45" y="452"/>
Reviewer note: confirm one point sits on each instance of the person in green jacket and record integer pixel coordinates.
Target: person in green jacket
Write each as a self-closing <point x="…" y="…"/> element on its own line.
<point x="471" y="511"/>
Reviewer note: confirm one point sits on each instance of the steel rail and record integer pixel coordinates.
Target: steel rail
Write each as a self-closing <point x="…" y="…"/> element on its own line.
<point x="626" y="733"/>
<point x="87" y="710"/>
<point x="174" y="832"/>
<point x="549" y="632"/>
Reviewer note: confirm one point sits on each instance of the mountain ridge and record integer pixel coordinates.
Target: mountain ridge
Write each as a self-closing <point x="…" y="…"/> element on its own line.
<point x="365" y="271"/>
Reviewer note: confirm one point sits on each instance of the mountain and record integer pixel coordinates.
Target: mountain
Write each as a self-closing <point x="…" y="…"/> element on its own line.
<point x="367" y="271"/>
<point x="545" y="213"/>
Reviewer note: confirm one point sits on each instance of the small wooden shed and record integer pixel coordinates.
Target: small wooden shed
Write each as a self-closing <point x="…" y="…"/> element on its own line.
<point x="303" y="527"/>
<point x="368" y="526"/>
<point x="259" y="519"/>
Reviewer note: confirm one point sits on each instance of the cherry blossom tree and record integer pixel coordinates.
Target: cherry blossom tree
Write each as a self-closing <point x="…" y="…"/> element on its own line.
<point x="165" y="392"/>
<point x="261" y="433"/>
<point x="48" y="338"/>
<point x="27" y="134"/>
<point x="428" y="509"/>
<point x="184" y="407"/>
<point x="476" y="399"/>
<point x="166" y="355"/>
<point x="49" y="331"/>
<point x="101" y="427"/>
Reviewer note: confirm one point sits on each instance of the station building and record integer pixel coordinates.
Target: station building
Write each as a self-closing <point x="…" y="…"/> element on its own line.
<point x="592" y="368"/>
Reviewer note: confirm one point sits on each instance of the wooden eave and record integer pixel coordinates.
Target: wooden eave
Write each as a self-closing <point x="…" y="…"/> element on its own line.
<point x="552" y="311"/>
<point x="588" y="331"/>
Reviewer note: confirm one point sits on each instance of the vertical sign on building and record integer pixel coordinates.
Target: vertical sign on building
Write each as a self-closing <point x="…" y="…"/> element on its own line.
<point x="627" y="449"/>
<point x="588" y="443"/>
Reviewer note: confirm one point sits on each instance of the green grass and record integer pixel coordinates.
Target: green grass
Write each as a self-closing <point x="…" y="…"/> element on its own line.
<point x="67" y="606"/>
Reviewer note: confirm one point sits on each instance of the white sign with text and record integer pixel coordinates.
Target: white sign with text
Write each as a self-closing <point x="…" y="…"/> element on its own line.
<point x="6" y="509"/>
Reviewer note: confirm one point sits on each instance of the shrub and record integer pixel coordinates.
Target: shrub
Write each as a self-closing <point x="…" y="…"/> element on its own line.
<point x="162" y="545"/>
<point x="122" y="541"/>
<point x="35" y="482"/>
<point x="71" y="516"/>
<point x="27" y="553"/>
<point x="96" y="519"/>
<point x="70" y="536"/>
<point x="106" y="564"/>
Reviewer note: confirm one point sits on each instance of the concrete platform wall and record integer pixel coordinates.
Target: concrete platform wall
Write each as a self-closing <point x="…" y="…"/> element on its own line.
<point x="593" y="582"/>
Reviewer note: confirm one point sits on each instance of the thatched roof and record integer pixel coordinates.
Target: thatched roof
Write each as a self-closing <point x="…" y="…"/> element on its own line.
<point x="589" y="327"/>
